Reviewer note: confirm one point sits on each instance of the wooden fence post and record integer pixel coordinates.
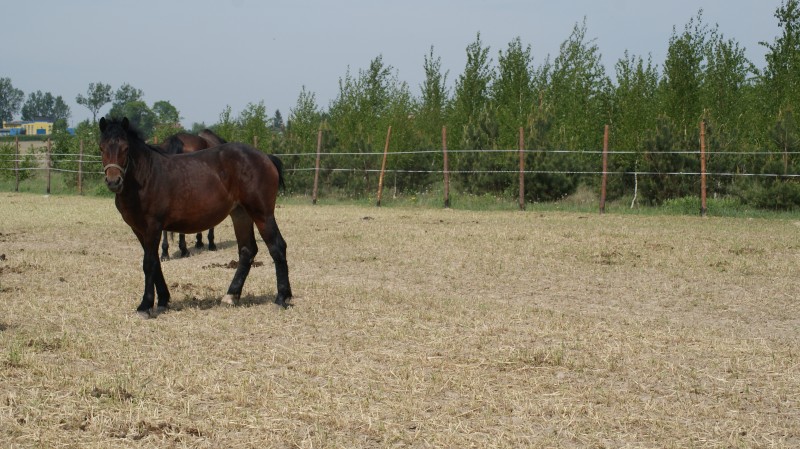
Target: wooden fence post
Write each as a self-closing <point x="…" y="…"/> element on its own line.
<point x="446" y="169"/>
<point x="521" y="168"/>
<point x="604" y="181"/>
<point x="80" y="167"/>
<point x="703" y="208"/>
<point x="16" y="162"/>
<point x="383" y="166"/>
<point x="316" y="167"/>
<point x="255" y="142"/>
<point x="49" y="163"/>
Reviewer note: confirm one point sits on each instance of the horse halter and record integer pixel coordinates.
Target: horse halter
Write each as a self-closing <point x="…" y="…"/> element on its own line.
<point x="121" y="169"/>
<point x="118" y="167"/>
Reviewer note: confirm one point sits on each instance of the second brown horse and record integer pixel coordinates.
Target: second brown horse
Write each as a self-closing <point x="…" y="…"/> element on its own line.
<point x="188" y="143"/>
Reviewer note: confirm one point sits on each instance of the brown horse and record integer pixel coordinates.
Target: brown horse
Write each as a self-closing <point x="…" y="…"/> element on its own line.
<point x="191" y="192"/>
<point x="188" y="143"/>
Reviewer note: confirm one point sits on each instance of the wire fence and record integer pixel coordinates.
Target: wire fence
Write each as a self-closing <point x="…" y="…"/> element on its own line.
<point x="41" y="159"/>
<point x="7" y="163"/>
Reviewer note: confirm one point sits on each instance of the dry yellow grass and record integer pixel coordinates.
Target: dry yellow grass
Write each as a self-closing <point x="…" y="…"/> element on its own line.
<point x="411" y="328"/>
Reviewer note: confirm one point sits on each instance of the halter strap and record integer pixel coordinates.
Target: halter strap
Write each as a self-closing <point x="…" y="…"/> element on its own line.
<point x="118" y="167"/>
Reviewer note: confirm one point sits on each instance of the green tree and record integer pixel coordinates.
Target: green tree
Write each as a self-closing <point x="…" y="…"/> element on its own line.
<point x="253" y="124"/>
<point x="782" y="74"/>
<point x="683" y="76"/>
<point x="227" y="127"/>
<point x="513" y="92"/>
<point x="167" y="120"/>
<point x="140" y="116"/>
<point x="360" y="116"/>
<point x="472" y="126"/>
<point x="97" y="96"/>
<point x="634" y="116"/>
<point x="579" y="99"/>
<point x="276" y="123"/>
<point x="45" y="105"/>
<point x="433" y="104"/>
<point x="129" y="102"/>
<point x="472" y="90"/>
<point x="10" y="99"/>
<point x="166" y="113"/>
<point x="305" y="120"/>
<point x="729" y="111"/>
<point x="663" y="166"/>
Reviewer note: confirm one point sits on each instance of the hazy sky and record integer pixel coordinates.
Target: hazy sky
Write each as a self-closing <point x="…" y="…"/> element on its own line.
<point x="203" y="55"/>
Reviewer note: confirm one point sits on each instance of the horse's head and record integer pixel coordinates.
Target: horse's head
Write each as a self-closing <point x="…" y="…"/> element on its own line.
<point x="114" y="146"/>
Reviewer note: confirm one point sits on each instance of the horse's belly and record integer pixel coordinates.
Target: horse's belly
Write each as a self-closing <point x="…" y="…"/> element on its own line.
<point x="196" y="221"/>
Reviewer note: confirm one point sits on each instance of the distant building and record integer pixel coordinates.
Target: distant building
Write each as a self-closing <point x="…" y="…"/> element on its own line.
<point x="39" y="127"/>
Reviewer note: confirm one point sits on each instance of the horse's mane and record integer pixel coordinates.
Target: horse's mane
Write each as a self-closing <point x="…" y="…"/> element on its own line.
<point x="173" y="145"/>
<point x="115" y="128"/>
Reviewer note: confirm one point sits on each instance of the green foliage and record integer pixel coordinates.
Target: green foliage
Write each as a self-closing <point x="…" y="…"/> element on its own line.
<point x="25" y="167"/>
<point x="664" y="162"/>
<point x="97" y="96"/>
<point x="10" y="99"/>
<point x="782" y="74"/>
<point x="300" y="141"/>
<point x="45" y="105"/>
<point x="653" y="109"/>
<point x="471" y="96"/>
<point x="512" y="92"/>
<point x="360" y="116"/>
<point x="634" y="114"/>
<point x="433" y="105"/>
<point x="683" y="74"/>
<point x="253" y="126"/>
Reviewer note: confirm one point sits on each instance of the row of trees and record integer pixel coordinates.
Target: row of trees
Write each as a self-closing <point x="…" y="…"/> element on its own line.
<point x="561" y="104"/>
<point x="38" y="104"/>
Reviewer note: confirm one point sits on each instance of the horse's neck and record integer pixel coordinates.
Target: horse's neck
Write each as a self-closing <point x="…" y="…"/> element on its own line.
<point x="143" y="164"/>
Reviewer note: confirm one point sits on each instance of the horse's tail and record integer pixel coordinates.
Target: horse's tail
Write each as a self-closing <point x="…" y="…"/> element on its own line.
<point x="279" y="165"/>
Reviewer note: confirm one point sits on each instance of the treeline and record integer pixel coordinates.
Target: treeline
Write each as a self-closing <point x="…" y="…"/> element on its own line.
<point x="654" y="111"/>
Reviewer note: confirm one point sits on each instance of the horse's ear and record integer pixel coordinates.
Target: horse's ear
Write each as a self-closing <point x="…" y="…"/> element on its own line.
<point x="102" y="124"/>
<point x="125" y="123"/>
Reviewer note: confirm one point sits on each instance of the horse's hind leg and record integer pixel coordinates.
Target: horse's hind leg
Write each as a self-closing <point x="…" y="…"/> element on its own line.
<point x="182" y="245"/>
<point x="199" y="240"/>
<point x="277" y="249"/>
<point x="211" y="245"/>
<point x="246" y="241"/>
<point x="164" y="246"/>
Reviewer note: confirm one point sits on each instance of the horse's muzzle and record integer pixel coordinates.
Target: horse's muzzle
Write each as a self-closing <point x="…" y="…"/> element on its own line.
<point x="114" y="185"/>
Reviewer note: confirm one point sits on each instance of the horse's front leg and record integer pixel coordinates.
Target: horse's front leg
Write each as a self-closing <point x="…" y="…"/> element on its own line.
<point x="153" y="278"/>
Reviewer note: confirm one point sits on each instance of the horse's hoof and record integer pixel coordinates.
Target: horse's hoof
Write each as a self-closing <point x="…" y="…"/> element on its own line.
<point x="284" y="304"/>
<point x="164" y="258"/>
<point x="159" y="310"/>
<point x="199" y="245"/>
<point x="230" y="300"/>
<point x="212" y="247"/>
<point x="144" y="314"/>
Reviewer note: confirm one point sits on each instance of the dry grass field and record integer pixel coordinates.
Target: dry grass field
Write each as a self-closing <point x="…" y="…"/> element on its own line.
<point x="410" y="328"/>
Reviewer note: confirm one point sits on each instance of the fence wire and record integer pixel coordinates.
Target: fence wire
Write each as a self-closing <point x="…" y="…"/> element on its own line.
<point x="89" y="159"/>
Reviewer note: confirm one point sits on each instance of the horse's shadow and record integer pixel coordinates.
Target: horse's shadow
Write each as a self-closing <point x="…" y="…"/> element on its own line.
<point x="211" y="302"/>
